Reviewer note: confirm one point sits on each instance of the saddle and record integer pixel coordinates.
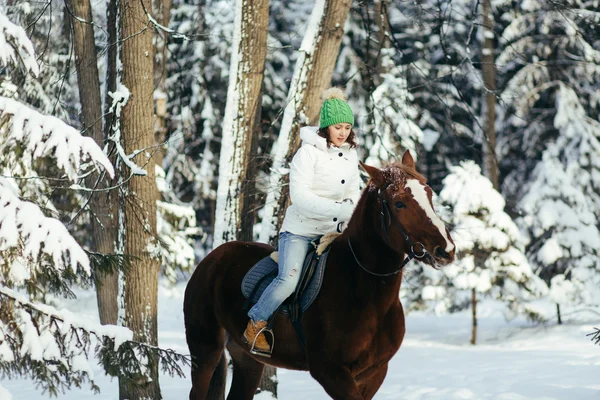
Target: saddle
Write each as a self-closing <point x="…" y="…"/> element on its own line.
<point x="263" y="272"/>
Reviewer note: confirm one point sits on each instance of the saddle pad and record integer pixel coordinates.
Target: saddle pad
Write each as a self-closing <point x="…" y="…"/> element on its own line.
<point x="267" y="268"/>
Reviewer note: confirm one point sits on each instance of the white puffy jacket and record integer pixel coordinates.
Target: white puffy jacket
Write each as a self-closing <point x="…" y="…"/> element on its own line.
<point x="320" y="179"/>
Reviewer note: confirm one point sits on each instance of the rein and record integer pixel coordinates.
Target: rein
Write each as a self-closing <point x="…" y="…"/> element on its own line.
<point x="385" y="211"/>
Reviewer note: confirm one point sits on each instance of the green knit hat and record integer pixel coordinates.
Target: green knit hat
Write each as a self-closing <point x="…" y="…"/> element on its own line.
<point x="335" y="110"/>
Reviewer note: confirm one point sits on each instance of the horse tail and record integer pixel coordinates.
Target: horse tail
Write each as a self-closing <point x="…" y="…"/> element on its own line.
<point x="216" y="388"/>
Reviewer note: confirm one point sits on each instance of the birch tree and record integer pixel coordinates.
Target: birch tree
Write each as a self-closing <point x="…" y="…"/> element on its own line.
<point x="233" y="217"/>
<point x="312" y="75"/>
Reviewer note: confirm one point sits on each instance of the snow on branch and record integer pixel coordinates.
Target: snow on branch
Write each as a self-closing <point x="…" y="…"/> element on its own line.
<point x="120" y="97"/>
<point x="15" y="46"/>
<point x="55" y="346"/>
<point x="41" y="136"/>
<point x="27" y="234"/>
<point x="394" y="114"/>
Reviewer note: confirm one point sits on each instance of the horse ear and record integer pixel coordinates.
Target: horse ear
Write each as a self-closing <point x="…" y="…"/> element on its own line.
<point x="408" y="160"/>
<point x="375" y="174"/>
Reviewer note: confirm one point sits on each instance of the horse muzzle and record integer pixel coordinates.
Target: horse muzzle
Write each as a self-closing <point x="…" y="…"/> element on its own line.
<point x="441" y="258"/>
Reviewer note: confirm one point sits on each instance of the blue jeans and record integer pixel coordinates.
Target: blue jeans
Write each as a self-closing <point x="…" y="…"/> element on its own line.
<point x="292" y="251"/>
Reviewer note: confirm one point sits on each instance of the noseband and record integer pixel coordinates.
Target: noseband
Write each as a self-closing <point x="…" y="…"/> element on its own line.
<point x="386" y="213"/>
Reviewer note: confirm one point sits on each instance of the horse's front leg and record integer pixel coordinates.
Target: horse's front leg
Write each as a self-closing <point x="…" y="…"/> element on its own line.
<point x="336" y="380"/>
<point x="370" y="382"/>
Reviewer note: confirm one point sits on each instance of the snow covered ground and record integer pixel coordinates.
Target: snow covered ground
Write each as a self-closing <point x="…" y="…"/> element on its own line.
<point x="512" y="361"/>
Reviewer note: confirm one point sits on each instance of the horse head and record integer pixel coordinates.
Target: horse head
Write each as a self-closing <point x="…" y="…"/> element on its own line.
<point x="405" y="216"/>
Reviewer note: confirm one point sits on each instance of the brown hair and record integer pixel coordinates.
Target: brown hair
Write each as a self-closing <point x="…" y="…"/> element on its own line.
<point x="351" y="140"/>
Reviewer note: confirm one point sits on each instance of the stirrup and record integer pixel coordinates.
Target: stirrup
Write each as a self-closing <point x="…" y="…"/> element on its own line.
<point x="262" y="352"/>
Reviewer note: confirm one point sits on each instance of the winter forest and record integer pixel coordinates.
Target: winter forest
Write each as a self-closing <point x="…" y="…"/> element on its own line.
<point x="138" y="135"/>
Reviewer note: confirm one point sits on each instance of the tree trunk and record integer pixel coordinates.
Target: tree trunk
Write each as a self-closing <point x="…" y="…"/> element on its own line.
<point x="383" y="38"/>
<point x="268" y="381"/>
<point x="111" y="67"/>
<point x="108" y="288"/>
<point x="162" y="14"/>
<point x="312" y="75"/>
<point x="489" y="82"/>
<point x="558" y="314"/>
<point x="474" y="309"/>
<point x="102" y="210"/>
<point x="140" y="192"/>
<point x="372" y="69"/>
<point x="242" y="113"/>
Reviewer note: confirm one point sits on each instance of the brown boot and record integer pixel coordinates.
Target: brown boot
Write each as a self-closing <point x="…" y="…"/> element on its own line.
<point x="251" y="332"/>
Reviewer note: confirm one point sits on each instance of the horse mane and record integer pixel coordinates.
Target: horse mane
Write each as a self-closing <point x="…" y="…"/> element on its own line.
<point x="409" y="171"/>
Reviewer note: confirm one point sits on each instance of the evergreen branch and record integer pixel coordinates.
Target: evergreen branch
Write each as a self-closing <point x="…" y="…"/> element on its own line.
<point x="52" y="348"/>
<point x="41" y="136"/>
<point x="595" y="336"/>
<point x="108" y="264"/>
<point x="20" y="48"/>
<point x="159" y="27"/>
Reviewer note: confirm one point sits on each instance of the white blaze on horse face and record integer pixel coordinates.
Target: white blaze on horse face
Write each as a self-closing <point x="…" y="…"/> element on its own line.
<point x="420" y="196"/>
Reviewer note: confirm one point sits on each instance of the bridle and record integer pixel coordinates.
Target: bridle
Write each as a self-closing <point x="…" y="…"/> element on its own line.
<point x="386" y="213"/>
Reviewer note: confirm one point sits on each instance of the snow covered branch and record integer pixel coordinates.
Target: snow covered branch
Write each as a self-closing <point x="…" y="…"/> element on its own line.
<point x="51" y="346"/>
<point x="55" y="346"/>
<point x="293" y="116"/>
<point x="37" y="135"/>
<point x="16" y="47"/>
<point x="393" y="116"/>
<point x="119" y="98"/>
<point x="28" y="239"/>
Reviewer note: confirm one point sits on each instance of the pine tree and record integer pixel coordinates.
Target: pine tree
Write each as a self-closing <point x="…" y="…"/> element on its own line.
<point x="33" y="247"/>
<point x="38" y="255"/>
<point x="561" y="206"/>
<point x="543" y="44"/>
<point x="491" y="261"/>
<point x="52" y="91"/>
<point x="549" y="71"/>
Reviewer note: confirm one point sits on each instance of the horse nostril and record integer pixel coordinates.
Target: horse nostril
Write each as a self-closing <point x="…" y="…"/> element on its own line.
<point x="439" y="252"/>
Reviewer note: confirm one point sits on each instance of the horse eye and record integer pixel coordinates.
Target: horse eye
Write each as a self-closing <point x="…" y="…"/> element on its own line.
<point x="400" y="204"/>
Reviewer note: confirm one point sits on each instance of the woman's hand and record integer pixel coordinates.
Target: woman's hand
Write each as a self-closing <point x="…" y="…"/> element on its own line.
<point x="346" y="210"/>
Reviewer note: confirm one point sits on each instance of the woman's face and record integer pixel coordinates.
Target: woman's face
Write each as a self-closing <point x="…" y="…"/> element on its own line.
<point x="338" y="133"/>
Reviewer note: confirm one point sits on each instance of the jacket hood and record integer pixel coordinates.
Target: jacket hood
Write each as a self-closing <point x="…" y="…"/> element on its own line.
<point x="309" y="135"/>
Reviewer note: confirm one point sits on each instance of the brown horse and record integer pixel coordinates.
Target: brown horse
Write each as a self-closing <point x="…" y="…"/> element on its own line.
<point x="356" y="323"/>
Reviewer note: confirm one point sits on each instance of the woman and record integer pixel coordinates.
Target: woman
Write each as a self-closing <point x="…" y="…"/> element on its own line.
<point x="324" y="188"/>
